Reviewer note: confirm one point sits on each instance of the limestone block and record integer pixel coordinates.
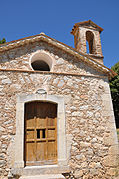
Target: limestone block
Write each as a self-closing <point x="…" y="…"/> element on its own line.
<point x="11" y="153"/>
<point x="111" y="138"/>
<point x="111" y="171"/>
<point x="94" y="171"/>
<point x="6" y="81"/>
<point x="107" y="113"/>
<point x="106" y="97"/>
<point x="81" y="157"/>
<point x="107" y="106"/>
<point x="78" y="173"/>
<point x="69" y="142"/>
<point x="60" y="61"/>
<point x="84" y="165"/>
<point x="95" y="165"/>
<point x="85" y="144"/>
<point x="2" y="163"/>
<point x="77" y="114"/>
<point x="114" y="149"/>
<point x="55" y="176"/>
<point x="61" y="83"/>
<point x="110" y="160"/>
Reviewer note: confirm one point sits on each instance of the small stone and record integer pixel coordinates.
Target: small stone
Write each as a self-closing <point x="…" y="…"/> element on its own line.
<point x="95" y="121"/>
<point x="77" y="114"/>
<point x="2" y="129"/>
<point x="94" y="140"/>
<point x="82" y="121"/>
<point x="94" y="171"/>
<point x="2" y="163"/>
<point x="4" y="146"/>
<point x="6" y="81"/>
<point x="111" y="172"/>
<point x="98" y="165"/>
<point x="61" y="83"/>
<point x="84" y="107"/>
<point x="85" y="144"/>
<point x="3" y="76"/>
<point x="70" y="66"/>
<point x="69" y="83"/>
<point x="78" y="173"/>
<point x="84" y="164"/>
<point x="90" y="151"/>
<point x="73" y="107"/>
<point x="82" y="133"/>
<point x="60" y="61"/>
<point x="88" y="138"/>
<point x="55" y="81"/>
<point x="97" y="115"/>
<point x="89" y="114"/>
<point x="2" y="156"/>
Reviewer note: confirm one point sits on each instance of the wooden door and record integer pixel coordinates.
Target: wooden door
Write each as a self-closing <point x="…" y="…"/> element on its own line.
<point x="40" y="133"/>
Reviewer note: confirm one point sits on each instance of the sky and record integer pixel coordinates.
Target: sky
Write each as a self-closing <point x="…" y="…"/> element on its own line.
<point x="23" y="18"/>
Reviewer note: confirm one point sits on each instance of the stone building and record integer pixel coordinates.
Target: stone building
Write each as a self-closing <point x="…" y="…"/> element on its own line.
<point x="56" y="114"/>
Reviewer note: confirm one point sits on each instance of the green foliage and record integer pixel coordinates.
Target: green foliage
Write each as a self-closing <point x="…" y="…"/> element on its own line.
<point x="114" y="86"/>
<point x="2" y="41"/>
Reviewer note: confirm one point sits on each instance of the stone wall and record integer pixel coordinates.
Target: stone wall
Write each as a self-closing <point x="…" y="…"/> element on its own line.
<point x="92" y="147"/>
<point x="89" y="122"/>
<point x="19" y="58"/>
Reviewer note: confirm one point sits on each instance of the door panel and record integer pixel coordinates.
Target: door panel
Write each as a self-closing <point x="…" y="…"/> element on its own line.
<point x="30" y="134"/>
<point x="51" y="122"/>
<point x="40" y="133"/>
<point x="41" y="154"/>
<point x="30" y="154"/>
<point x="41" y="122"/>
<point x="51" y="150"/>
<point x="30" y="122"/>
<point x="51" y="133"/>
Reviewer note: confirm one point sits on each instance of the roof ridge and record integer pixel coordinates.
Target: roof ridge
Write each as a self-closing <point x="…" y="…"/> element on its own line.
<point x="86" y="22"/>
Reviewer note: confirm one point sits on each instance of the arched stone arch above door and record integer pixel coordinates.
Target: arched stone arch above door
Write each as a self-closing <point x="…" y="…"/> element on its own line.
<point x="61" y="137"/>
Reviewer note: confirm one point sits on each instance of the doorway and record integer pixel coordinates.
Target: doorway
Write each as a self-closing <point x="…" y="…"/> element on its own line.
<point x="40" y="135"/>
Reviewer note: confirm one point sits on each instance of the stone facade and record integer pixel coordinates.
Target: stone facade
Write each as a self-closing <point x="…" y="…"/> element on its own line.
<point x="91" y="141"/>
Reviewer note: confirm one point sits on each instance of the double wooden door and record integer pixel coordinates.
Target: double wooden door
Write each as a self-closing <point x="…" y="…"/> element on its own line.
<point x="40" y="133"/>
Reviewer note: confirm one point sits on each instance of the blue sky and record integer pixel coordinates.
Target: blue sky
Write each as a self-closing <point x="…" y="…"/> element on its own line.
<point x="22" y="18"/>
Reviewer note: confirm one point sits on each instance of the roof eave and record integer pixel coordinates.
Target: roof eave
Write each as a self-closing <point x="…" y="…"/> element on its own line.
<point x="76" y="25"/>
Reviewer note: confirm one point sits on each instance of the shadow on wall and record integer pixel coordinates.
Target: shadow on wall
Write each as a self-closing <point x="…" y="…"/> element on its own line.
<point x="118" y="133"/>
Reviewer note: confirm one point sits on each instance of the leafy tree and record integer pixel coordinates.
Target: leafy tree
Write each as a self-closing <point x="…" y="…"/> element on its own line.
<point x="2" y="41"/>
<point x="114" y="86"/>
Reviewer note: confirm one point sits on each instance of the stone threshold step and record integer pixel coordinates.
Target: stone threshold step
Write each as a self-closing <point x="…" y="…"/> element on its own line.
<point x="38" y="170"/>
<point x="49" y="176"/>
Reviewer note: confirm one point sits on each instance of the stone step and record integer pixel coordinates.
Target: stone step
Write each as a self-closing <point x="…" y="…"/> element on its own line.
<point x="49" y="176"/>
<point x="40" y="170"/>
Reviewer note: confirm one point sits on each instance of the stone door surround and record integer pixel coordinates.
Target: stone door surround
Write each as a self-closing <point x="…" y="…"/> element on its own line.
<point x="61" y="137"/>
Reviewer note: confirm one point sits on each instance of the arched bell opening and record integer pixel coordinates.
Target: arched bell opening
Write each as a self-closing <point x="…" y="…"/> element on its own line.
<point x="90" y="42"/>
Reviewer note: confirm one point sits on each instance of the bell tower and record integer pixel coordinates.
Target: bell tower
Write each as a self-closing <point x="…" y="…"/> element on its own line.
<point x="87" y="39"/>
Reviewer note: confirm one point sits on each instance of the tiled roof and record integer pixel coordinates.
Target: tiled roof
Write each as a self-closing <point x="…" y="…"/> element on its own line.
<point x="89" y="22"/>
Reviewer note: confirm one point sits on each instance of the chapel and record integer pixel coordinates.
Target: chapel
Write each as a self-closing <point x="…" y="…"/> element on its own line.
<point x="56" y="113"/>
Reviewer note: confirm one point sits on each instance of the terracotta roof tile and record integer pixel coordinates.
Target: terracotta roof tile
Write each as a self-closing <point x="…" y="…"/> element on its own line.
<point x="89" y="22"/>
